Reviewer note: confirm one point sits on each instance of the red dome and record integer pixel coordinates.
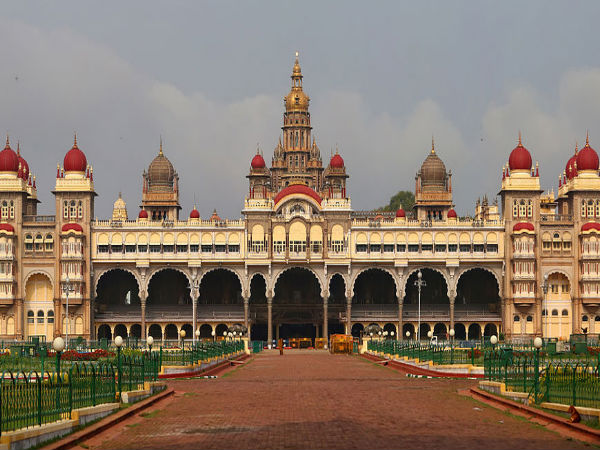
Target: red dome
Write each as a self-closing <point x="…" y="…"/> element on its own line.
<point x="72" y="227"/>
<point x="75" y="160"/>
<point x="7" y="227"/>
<point x="520" y="158"/>
<point x="9" y="161"/>
<point x="297" y="189"/>
<point x="195" y="214"/>
<point x="452" y="214"/>
<point x="337" y="161"/>
<point x="143" y="214"/>
<point x="258" y="162"/>
<point x="587" y="158"/>
<point x="523" y="226"/>
<point x="590" y="226"/>
<point x="400" y="213"/>
<point x="570" y="167"/>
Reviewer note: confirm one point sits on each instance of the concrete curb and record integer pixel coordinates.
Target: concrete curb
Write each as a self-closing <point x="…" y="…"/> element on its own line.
<point x="211" y="371"/>
<point x="584" y="432"/>
<point x="413" y="370"/>
<point x="81" y="435"/>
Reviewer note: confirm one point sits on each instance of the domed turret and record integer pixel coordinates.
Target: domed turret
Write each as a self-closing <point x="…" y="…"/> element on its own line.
<point x="587" y="158"/>
<point x="433" y="171"/>
<point x="161" y="173"/>
<point x="24" y="165"/>
<point x="520" y="158"/>
<point x="336" y="162"/>
<point x="452" y="214"/>
<point x="258" y="162"/>
<point x="119" y="209"/>
<point x="75" y="160"/>
<point x="296" y="100"/>
<point x="143" y="214"/>
<point x="9" y="162"/>
<point x="194" y="214"/>
<point x="400" y="213"/>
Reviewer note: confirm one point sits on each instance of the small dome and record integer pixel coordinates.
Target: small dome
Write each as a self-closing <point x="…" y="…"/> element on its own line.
<point x="9" y="162"/>
<point x="520" y="158"/>
<point x="215" y="216"/>
<point x="452" y="214"/>
<point x="587" y="158"/>
<point x="75" y="160"/>
<point x="143" y="214"/>
<point x="24" y="165"/>
<point x="400" y="213"/>
<point x="194" y="214"/>
<point x="570" y="168"/>
<point x="337" y="162"/>
<point x="258" y="162"/>
<point x="433" y="172"/>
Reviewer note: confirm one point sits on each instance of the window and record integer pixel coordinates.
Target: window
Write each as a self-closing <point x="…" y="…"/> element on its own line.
<point x="73" y="210"/>
<point x="427" y="247"/>
<point x="316" y="247"/>
<point x="50" y="316"/>
<point x="233" y="248"/>
<point x="465" y="248"/>
<point x="565" y="312"/>
<point x="555" y="312"/>
<point x="130" y="248"/>
<point x="582" y="208"/>
<point x="400" y="247"/>
<point x="49" y="243"/>
<point x="546" y="245"/>
<point x="590" y="209"/>
<point x="143" y="248"/>
<point x="12" y="209"/>
<point x="279" y="246"/>
<point x="28" y="242"/>
<point x="194" y="248"/>
<point x="220" y="248"/>
<point x="182" y="248"/>
<point x="529" y="318"/>
<point x="522" y="208"/>
<point x="30" y="317"/>
<point x="492" y="248"/>
<point x="80" y="209"/>
<point x="515" y="208"/>
<point x="567" y="245"/>
<point x="206" y="248"/>
<point x="155" y="248"/>
<point x="388" y="248"/>
<point x="337" y="246"/>
<point x="103" y="248"/>
<point x="375" y="248"/>
<point x="297" y="246"/>
<point x="116" y="249"/>
<point x="529" y="209"/>
<point x="413" y="248"/>
<point x="360" y="248"/>
<point x="39" y="243"/>
<point x="478" y="248"/>
<point x="440" y="248"/>
<point x="584" y="318"/>
<point x="168" y="248"/>
<point x="40" y="317"/>
<point x="517" y="319"/>
<point x="4" y="210"/>
<point x="452" y="247"/>
<point x="65" y="210"/>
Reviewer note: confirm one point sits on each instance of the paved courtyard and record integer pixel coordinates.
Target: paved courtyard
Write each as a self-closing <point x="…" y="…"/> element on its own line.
<point x="311" y="399"/>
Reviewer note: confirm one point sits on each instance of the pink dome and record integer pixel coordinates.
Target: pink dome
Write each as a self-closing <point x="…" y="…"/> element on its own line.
<point x="587" y="158"/>
<point x="336" y="162"/>
<point x="9" y="161"/>
<point x="258" y="162"/>
<point x="520" y="158"/>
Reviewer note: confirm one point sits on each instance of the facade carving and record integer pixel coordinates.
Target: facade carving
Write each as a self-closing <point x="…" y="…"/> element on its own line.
<point x="301" y="261"/>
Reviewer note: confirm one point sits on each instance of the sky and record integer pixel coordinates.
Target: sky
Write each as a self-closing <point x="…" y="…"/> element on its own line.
<point x="383" y="77"/>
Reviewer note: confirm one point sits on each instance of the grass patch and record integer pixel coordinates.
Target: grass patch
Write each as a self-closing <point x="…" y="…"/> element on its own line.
<point x="190" y="394"/>
<point x="132" y="425"/>
<point x="150" y="414"/>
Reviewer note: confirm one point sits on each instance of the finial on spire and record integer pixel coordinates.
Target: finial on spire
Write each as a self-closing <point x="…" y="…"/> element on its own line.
<point x="432" y="145"/>
<point x="160" y="150"/>
<point x="587" y="138"/>
<point x="7" y="140"/>
<point x="120" y="195"/>
<point x="18" y="148"/>
<point x="297" y="54"/>
<point x="576" y="149"/>
<point x="75" y="139"/>
<point x="520" y="143"/>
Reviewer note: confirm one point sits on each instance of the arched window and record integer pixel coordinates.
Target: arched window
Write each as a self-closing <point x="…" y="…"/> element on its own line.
<point x="529" y="318"/>
<point x="50" y="316"/>
<point x="4" y="210"/>
<point x="40" y="316"/>
<point x="597" y="208"/>
<point x="65" y="210"/>
<point x="12" y="209"/>
<point x="73" y="210"/>
<point x="544" y="312"/>
<point x="80" y="209"/>
<point x="517" y="318"/>
<point x="584" y="318"/>
<point x="555" y="312"/>
<point x="515" y="208"/>
<point x="49" y="242"/>
<point x="590" y="210"/>
<point x="39" y="243"/>
<point x="522" y="209"/>
<point x="565" y="312"/>
<point x="582" y="208"/>
<point x="529" y="209"/>
<point x="30" y="317"/>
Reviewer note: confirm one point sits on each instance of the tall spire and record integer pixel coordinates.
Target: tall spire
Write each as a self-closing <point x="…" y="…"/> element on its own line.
<point x="18" y="148"/>
<point x="160" y="151"/>
<point x="75" y="139"/>
<point x="520" y="143"/>
<point x="432" y="145"/>
<point x="587" y="138"/>
<point x="7" y="141"/>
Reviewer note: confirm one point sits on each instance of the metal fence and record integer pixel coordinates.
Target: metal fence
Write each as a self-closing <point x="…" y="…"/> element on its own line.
<point x="441" y="353"/>
<point x="200" y="351"/>
<point x="568" y="379"/>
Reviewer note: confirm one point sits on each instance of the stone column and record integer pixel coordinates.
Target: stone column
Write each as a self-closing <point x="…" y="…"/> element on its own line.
<point x="325" y="324"/>
<point x="399" y="334"/>
<point x="195" y="294"/>
<point x="143" y="297"/>
<point x="269" y="321"/>
<point x="57" y="318"/>
<point x="19" y="319"/>
<point x="349" y="315"/>
<point x="452" y="300"/>
<point x="246" y="310"/>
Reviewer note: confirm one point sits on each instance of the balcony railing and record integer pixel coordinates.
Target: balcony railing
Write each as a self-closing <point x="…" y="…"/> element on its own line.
<point x="39" y="219"/>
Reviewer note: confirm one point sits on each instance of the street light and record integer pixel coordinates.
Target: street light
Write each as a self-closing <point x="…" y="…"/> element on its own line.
<point x="392" y="334"/>
<point x="407" y="334"/>
<point x="420" y="283"/>
<point x="58" y="345"/>
<point x="193" y="287"/>
<point x="197" y="334"/>
<point x="451" y="333"/>
<point x="430" y="334"/>
<point x="537" y="343"/>
<point x="182" y="335"/>
<point x="494" y="341"/>
<point x="118" y="344"/>
<point x="67" y="288"/>
<point x="545" y="290"/>
<point x="150" y="341"/>
<point x="213" y="334"/>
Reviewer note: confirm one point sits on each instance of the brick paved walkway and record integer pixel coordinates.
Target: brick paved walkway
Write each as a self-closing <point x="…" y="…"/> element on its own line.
<point x="310" y="399"/>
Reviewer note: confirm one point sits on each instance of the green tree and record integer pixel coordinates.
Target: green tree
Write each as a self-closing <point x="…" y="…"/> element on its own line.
<point x="404" y="198"/>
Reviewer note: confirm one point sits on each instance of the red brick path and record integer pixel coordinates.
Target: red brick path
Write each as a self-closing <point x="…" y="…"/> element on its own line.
<point x="310" y="399"/>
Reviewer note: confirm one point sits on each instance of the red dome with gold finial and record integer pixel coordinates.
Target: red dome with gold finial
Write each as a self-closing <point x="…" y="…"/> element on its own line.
<point x="75" y="160"/>
<point x="258" y="162"/>
<point x="587" y="158"/>
<point x="143" y="214"/>
<point x="9" y="161"/>
<point x="337" y="161"/>
<point x="194" y="214"/>
<point x="520" y="158"/>
<point x="452" y="214"/>
<point x="400" y="213"/>
<point x="571" y="167"/>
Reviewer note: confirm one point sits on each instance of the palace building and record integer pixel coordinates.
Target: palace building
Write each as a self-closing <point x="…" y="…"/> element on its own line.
<point x="301" y="261"/>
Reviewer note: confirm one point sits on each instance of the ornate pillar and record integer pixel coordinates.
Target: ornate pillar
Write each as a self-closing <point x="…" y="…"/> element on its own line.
<point x="19" y="322"/>
<point x="195" y="294"/>
<point x="246" y="310"/>
<point x="349" y="314"/>
<point x="57" y="318"/>
<point x="269" y="321"/>
<point x="452" y="300"/>
<point x="399" y="334"/>
<point x="143" y="297"/>
<point x="325" y="324"/>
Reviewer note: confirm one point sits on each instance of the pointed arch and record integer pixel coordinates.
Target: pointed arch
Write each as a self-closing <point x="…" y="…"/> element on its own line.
<point x="100" y="274"/>
<point x="435" y="269"/>
<point x="324" y="289"/>
<point x="384" y="269"/>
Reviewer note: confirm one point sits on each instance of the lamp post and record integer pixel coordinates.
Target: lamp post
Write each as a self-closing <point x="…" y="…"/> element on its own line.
<point x="118" y="344"/>
<point x="193" y="287"/>
<point x="150" y="341"/>
<point x="494" y="341"/>
<point x="197" y="334"/>
<point x="67" y="289"/>
<point x="451" y="333"/>
<point x="420" y="283"/>
<point x="545" y="290"/>
<point x="213" y="334"/>
<point x="407" y="334"/>
<point x="537" y="343"/>
<point x="58" y="345"/>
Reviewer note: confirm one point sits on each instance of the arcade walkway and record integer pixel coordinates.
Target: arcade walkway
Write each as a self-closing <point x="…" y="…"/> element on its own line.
<point x="310" y="399"/>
